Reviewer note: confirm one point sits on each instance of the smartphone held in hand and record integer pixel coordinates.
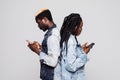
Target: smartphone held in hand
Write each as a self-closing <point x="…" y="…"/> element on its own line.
<point x="91" y="45"/>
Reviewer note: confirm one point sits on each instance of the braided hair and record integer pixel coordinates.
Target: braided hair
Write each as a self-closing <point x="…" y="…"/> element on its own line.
<point x="70" y="23"/>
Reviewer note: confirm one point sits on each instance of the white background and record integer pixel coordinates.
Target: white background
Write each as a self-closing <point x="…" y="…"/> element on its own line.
<point x="101" y="25"/>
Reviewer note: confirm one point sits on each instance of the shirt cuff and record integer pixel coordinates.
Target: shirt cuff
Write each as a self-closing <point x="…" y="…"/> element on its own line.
<point x="42" y="55"/>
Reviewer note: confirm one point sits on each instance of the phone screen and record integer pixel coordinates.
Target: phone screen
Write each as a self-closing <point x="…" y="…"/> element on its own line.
<point x="91" y="45"/>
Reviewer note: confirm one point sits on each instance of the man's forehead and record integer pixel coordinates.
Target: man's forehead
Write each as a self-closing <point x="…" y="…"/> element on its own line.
<point x="40" y="11"/>
<point x="38" y="20"/>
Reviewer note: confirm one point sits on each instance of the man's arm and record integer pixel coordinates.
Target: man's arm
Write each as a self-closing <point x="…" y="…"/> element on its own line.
<point x="53" y="51"/>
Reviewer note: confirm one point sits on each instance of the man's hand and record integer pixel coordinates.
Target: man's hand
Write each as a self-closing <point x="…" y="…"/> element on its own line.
<point x="34" y="46"/>
<point x="86" y="48"/>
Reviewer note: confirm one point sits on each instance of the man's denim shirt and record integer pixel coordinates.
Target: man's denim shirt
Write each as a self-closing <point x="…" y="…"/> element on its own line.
<point x="73" y="62"/>
<point x="51" y="51"/>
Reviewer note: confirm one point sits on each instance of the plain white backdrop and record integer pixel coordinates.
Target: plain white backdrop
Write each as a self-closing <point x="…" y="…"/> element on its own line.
<point x="101" y="20"/>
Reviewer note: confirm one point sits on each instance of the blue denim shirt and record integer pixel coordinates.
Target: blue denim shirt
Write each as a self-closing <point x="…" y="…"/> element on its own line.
<point x="73" y="62"/>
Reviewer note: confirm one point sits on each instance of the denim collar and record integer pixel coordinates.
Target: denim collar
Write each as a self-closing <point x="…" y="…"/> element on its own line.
<point x="53" y="26"/>
<point x="50" y="29"/>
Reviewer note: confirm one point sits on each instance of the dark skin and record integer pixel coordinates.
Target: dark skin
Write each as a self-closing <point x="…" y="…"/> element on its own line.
<point x="43" y="24"/>
<point x="34" y="46"/>
<point x="78" y="31"/>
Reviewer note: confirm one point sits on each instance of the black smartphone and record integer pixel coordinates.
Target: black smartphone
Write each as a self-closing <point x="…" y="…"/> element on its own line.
<point x="91" y="45"/>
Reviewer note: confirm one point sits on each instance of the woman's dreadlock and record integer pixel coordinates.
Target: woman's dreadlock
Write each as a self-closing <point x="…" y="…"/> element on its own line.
<point x="70" y="23"/>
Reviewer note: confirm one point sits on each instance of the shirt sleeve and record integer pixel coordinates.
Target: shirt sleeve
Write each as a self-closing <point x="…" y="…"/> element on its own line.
<point x="53" y="51"/>
<point x="73" y="60"/>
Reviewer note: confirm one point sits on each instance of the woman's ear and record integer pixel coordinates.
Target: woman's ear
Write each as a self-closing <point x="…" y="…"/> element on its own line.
<point x="76" y="30"/>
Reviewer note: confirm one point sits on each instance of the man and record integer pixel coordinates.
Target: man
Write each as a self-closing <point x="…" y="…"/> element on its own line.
<point x="49" y="50"/>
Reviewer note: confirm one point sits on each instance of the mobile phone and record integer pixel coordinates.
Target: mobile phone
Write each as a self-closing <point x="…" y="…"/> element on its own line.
<point x="91" y="45"/>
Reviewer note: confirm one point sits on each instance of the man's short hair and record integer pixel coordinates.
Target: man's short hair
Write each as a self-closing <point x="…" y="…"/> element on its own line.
<point x="44" y="13"/>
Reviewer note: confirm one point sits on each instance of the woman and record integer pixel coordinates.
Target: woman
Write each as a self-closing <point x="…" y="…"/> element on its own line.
<point x="73" y="55"/>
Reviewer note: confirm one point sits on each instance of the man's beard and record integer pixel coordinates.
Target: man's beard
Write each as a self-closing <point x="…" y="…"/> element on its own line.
<point x="44" y="28"/>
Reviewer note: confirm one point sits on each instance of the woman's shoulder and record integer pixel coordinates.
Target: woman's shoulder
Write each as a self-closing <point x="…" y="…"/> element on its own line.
<point x="72" y="40"/>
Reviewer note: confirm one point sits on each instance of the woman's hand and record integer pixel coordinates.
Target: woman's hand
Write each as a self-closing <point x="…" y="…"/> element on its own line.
<point x="86" y="48"/>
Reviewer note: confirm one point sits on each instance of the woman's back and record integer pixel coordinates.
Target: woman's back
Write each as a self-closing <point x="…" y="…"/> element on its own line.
<point x="73" y="62"/>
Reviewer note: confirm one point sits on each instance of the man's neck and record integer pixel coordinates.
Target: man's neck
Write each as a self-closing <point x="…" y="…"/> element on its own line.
<point x="50" y="24"/>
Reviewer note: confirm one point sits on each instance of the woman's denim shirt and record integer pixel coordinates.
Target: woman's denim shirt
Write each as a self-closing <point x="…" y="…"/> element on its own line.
<point x="73" y="60"/>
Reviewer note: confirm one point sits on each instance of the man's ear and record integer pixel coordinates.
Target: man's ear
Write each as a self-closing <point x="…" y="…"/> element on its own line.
<point x="44" y="20"/>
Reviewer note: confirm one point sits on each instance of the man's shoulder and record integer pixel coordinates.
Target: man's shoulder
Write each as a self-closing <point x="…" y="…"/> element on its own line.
<point x="56" y="31"/>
